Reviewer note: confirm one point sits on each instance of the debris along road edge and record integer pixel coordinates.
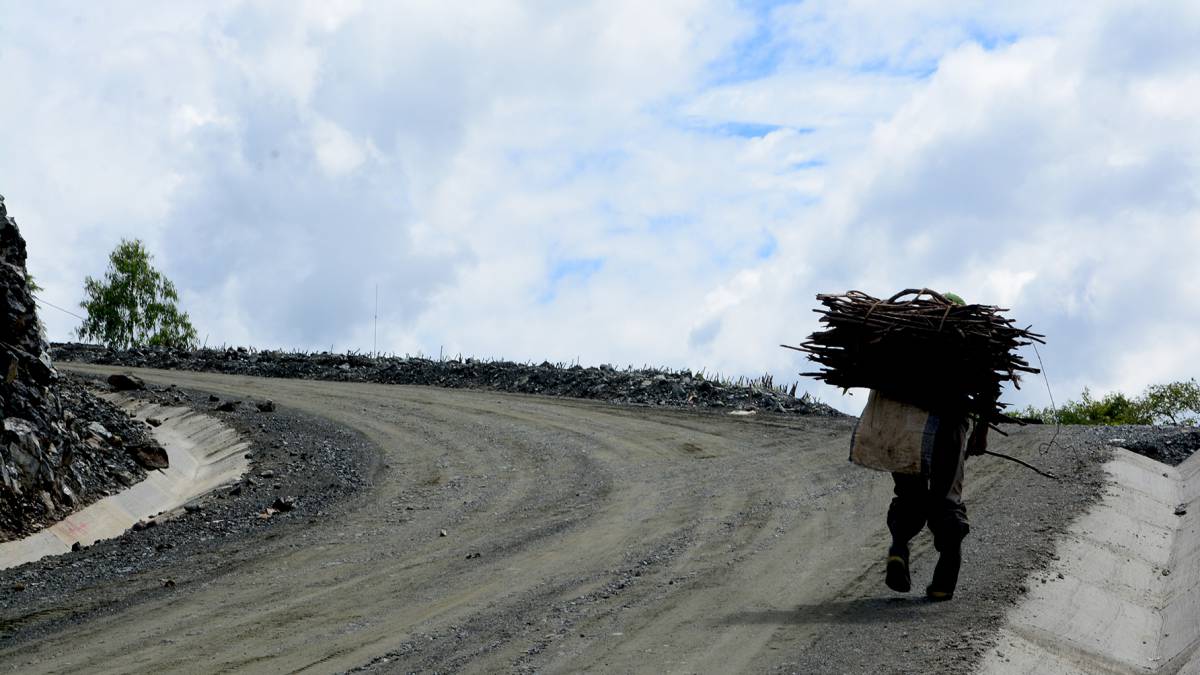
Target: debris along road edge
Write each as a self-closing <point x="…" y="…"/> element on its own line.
<point x="579" y="536"/>
<point x="203" y="454"/>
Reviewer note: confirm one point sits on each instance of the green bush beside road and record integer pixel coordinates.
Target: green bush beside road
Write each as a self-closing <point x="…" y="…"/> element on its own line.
<point x="1176" y="403"/>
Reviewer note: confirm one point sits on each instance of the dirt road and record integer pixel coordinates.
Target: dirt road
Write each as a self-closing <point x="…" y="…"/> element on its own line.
<point x="580" y="537"/>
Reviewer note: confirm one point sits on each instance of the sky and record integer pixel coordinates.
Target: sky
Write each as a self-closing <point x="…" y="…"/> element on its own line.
<point x="624" y="182"/>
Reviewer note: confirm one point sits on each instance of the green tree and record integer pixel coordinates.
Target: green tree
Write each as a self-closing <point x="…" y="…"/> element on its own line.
<point x="134" y="305"/>
<point x="1114" y="408"/>
<point x="34" y="289"/>
<point x="1175" y="403"/>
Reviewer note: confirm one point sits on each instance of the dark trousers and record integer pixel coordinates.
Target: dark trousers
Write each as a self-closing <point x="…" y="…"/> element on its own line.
<point x="935" y="499"/>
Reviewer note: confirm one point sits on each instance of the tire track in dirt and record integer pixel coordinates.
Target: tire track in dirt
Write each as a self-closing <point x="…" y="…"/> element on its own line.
<point x="601" y="538"/>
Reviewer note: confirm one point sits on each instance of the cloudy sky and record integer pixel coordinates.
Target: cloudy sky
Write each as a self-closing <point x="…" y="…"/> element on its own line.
<point x="622" y="182"/>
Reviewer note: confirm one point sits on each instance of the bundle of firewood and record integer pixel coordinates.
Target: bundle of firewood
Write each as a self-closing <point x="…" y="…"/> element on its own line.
<point x="920" y="347"/>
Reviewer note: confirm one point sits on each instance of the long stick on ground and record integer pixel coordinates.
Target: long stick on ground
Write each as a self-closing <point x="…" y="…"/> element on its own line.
<point x="1022" y="462"/>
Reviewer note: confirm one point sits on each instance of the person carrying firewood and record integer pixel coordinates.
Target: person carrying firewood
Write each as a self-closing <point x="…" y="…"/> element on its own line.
<point x="934" y="499"/>
<point x="933" y="364"/>
<point x="931" y="496"/>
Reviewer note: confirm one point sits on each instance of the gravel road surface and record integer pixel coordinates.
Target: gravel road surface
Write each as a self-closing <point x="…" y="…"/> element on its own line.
<point x="515" y="533"/>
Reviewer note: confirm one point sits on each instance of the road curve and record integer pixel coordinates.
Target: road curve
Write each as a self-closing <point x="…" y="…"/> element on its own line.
<point x="579" y="537"/>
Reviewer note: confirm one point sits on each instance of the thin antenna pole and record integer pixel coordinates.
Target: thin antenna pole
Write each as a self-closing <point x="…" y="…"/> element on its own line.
<point x="375" y="340"/>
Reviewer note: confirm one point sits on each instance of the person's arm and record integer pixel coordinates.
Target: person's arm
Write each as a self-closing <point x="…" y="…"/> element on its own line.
<point x="977" y="443"/>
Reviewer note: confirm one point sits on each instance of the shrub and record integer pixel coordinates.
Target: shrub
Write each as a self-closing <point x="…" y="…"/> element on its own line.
<point x="1173" y="403"/>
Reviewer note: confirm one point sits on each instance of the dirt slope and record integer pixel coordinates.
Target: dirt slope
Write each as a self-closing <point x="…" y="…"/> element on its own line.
<point x="580" y="537"/>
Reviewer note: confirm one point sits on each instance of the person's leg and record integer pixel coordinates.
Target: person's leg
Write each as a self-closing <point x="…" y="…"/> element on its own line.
<point x="947" y="513"/>
<point x="909" y="508"/>
<point x="906" y="516"/>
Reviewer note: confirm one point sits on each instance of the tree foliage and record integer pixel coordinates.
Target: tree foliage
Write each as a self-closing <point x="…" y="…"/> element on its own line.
<point x="1175" y="403"/>
<point x="34" y="289"/>
<point x="134" y="305"/>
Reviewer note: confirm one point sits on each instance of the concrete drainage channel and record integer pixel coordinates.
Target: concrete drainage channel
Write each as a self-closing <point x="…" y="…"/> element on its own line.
<point x="203" y="454"/>
<point x="1124" y="594"/>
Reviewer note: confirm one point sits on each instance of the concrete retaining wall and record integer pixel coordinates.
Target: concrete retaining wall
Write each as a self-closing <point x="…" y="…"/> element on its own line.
<point x="1124" y="594"/>
<point x="204" y="454"/>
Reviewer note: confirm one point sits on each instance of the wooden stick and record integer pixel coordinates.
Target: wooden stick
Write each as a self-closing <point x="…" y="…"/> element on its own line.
<point x="1023" y="463"/>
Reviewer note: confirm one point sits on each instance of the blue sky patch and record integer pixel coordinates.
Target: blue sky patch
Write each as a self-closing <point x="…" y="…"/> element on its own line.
<point x="704" y="334"/>
<point x="756" y="56"/>
<point x="598" y="161"/>
<point x="737" y="128"/>
<point x="767" y="248"/>
<point x="575" y="271"/>
<point x="885" y="66"/>
<point x="744" y="129"/>
<point x="668" y="222"/>
<point x="990" y="40"/>
<point x="808" y="164"/>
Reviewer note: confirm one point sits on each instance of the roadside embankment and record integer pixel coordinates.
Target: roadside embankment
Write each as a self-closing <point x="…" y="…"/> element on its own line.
<point x="204" y="454"/>
<point x="647" y="386"/>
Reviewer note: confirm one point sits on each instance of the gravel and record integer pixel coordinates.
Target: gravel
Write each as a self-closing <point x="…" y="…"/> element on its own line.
<point x="720" y="502"/>
<point x="307" y="472"/>
<point x="313" y="467"/>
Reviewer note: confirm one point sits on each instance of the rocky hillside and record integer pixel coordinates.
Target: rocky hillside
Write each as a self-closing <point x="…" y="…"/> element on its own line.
<point x="60" y="446"/>
<point x="604" y="383"/>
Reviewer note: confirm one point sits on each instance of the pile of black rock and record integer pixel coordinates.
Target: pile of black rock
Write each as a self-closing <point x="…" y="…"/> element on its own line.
<point x="60" y="447"/>
<point x="1169" y="445"/>
<point x="645" y="386"/>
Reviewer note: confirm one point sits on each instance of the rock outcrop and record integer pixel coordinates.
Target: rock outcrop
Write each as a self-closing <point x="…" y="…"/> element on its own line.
<point x="60" y="447"/>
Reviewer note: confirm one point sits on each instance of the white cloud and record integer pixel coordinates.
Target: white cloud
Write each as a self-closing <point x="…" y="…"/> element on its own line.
<point x="337" y="152"/>
<point x="619" y="181"/>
